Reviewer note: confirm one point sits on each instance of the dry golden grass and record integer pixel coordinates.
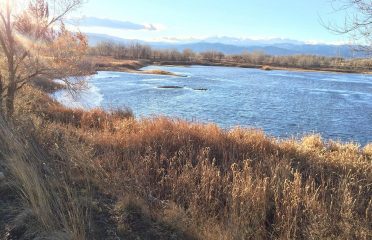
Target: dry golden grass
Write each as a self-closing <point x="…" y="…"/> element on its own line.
<point x="159" y="72"/>
<point x="50" y="205"/>
<point x="108" y="63"/>
<point x="199" y="181"/>
<point x="266" y="68"/>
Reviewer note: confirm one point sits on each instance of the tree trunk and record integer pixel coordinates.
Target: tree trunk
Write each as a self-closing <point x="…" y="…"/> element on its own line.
<point x="11" y="90"/>
<point x="1" y="95"/>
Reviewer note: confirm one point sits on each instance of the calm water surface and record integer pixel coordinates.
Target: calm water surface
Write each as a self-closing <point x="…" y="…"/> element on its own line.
<point x="282" y="103"/>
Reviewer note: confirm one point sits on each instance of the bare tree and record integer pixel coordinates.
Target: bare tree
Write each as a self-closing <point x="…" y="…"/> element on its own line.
<point x="188" y="54"/>
<point x="34" y="42"/>
<point x="357" y="23"/>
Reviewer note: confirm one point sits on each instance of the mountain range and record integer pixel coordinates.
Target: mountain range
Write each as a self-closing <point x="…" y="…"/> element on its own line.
<point x="228" y="45"/>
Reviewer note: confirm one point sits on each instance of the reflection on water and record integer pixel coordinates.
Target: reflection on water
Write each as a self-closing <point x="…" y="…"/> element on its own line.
<point x="283" y="103"/>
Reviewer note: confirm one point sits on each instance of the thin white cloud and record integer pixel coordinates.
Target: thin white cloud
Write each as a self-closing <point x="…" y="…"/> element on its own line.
<point x="113" y="24"/>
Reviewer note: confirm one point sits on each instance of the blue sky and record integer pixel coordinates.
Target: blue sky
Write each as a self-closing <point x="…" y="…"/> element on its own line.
<point x="183" y="19"/>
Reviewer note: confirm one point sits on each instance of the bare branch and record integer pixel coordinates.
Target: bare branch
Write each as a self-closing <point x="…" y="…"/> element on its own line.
<point x="68" y="8"/>
<point x="32" y="47"/>
<point x="357" y="23"/>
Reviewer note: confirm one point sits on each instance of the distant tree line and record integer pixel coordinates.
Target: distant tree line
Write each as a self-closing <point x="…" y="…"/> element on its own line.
<point x="301" y="61"/>
<point x="256" y="58"/>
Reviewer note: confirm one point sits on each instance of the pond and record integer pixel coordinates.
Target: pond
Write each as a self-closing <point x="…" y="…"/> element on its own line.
<point x="282" y="103"/>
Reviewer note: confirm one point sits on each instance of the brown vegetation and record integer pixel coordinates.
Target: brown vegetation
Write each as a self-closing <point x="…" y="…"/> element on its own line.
<point x="266" y="68"/>
<point x="39" y="197"/>
<point x="157" y="178"/>
<point x="102" y="63"/>
<point x="31" y="46"/>
<point x="122" y="65"/>
<point x="159" y="72"/>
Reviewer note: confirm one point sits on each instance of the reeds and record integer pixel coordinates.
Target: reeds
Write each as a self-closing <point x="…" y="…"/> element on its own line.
<point x="214" y="183"/>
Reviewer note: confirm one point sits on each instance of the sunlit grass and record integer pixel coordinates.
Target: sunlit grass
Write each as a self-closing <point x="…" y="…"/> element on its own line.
<point x="210" y="183"/>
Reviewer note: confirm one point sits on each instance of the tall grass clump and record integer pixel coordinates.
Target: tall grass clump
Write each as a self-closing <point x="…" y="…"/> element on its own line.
<point x="49" y="205"/>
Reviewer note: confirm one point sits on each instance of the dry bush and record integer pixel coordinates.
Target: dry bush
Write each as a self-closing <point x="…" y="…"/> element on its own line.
<point x="368" y="150"/>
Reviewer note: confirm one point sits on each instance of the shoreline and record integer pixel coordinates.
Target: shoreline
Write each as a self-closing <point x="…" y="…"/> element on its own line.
<point x="134" y="66"/>
<point x="263" y="67"/>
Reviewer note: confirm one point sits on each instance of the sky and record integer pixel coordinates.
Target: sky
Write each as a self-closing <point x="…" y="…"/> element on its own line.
<point x="172" y="20"/>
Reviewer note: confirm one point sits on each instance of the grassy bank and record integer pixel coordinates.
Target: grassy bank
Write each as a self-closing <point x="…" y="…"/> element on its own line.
<point x="263" y="66"/>
<point x="134" y="66"/>
<point x="109" y="176"/>
<point x="131" y="66"/>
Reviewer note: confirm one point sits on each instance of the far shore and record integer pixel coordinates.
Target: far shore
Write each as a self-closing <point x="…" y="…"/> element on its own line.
<point x="134" y="66"/>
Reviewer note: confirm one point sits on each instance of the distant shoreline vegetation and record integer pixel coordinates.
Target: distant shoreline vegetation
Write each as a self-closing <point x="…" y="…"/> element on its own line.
<point x="135" y="51"/>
